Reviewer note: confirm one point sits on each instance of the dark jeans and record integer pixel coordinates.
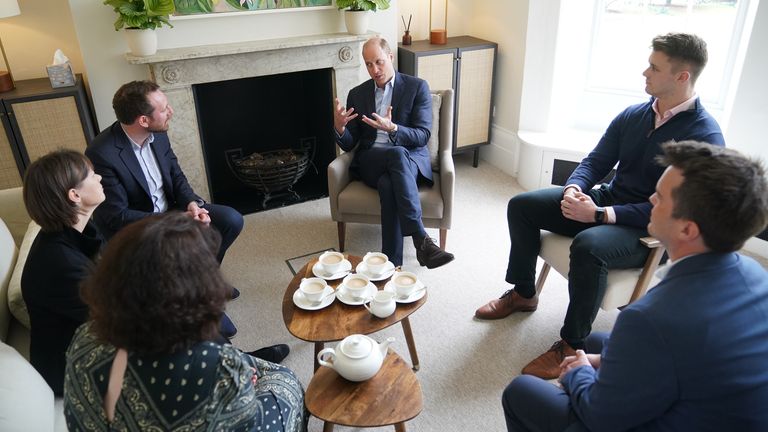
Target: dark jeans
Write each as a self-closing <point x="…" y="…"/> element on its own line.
<point x="229" y="223"/>
<point x="391" y="171"/>
<point x="533" y="404"/>
<point x="595" y="250"/>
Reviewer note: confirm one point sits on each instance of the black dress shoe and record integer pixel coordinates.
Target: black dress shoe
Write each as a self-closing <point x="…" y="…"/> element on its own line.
<point x="275" y="353"/>
<point x="235" y="293"/>
<point x="227" y="327"/>
<point x="430" y="255"/>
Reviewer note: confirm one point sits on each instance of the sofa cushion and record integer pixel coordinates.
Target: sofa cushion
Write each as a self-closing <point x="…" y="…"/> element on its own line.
<point x="26" y="401"/>
<point x="13" y="213"/>
<point x="434" y="142"/>
<point x="8" y="254"/>
<point x="15" y="299"/>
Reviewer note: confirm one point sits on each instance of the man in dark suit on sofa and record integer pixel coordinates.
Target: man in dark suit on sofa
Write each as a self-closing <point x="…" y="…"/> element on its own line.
<point x="389" y="119"/>
<point x="690" y="355"/>
<point x="140" y="172"/>
<point x="141" y="176"/>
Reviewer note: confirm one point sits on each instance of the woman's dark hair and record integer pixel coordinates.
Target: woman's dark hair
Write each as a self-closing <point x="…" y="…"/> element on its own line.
<point x="723" y="191"/>
<point x="47" y="183"/>
<point x="130" y="100"/>
<point x="158" y="288"/>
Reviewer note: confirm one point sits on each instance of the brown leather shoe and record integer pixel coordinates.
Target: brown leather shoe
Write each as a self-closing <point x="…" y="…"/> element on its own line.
<point x="547" y="365"/>
<point x="506" y="305"/>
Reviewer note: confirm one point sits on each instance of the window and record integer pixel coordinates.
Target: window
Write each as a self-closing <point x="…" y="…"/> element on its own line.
<point x="603" y="47"/>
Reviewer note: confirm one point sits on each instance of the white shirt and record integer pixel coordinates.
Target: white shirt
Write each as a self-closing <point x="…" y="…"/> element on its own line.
<point x="151" y="170"/>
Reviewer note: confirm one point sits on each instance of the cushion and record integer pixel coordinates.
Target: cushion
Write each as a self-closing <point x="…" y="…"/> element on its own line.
<point x="357" y="198"/>
<point x="8" y="253"/>
<point x="15" y="299"/>
<point x="26" y="401"/>
<point x="434" y="141"/>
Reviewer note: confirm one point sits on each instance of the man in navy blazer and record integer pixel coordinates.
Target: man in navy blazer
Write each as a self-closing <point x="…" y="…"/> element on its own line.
<point x="140" y="172"/>
<point x="388" y="119"/>
<point x="691" y="354"/>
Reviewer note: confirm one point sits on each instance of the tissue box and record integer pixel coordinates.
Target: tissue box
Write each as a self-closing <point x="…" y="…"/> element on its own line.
<point x="61" y="75"/>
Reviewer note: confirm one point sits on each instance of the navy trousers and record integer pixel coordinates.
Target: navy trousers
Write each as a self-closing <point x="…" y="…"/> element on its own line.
<point x="533" y="404"/>
<point x="229" y="223"/>
<point x="391" y="171"/>
<point x="595" y="250"/>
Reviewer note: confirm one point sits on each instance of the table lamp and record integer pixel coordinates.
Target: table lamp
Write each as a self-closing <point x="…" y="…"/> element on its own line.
<point x="8" y="8"/>
<point x="439" y="36"/>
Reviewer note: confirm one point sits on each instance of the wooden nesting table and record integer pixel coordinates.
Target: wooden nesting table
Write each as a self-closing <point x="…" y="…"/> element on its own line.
<point x="392" y="397"/>
<point x="339" y="320"/>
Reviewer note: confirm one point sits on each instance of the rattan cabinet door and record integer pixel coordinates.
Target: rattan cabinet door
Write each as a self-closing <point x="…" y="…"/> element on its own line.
<point x="49" y="124"/>
<point x="9" y="172"/>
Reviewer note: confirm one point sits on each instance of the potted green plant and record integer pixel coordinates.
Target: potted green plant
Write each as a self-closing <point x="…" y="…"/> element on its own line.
<point x="357" y="13"/>
<point x="140" y="18"/>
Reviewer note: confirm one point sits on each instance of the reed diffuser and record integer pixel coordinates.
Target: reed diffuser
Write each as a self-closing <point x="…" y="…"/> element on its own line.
<point x="407" y="36"/>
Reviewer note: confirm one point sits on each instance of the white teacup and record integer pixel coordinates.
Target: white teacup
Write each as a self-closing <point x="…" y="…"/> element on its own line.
<point x="355" y="285"/>
<point x="405" y="283"/>
<point x="313" y="288"/>
<point x="375" y="262"/>
<point x="331" y="261"/>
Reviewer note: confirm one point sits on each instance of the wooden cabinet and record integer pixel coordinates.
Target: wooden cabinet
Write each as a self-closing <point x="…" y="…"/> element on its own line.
<point x="466" y="64"/>
<point x="37" y="119"/>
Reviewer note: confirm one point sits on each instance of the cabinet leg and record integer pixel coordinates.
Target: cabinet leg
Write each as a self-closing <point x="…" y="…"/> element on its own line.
<point x="327" y="427"/>
<point x="476" y="159"/>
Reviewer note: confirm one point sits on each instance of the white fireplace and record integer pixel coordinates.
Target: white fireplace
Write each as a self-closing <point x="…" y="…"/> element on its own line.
<point x="177" y="70"/>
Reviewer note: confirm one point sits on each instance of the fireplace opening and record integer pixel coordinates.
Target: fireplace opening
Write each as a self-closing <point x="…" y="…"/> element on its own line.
<point x="267" y="141"/>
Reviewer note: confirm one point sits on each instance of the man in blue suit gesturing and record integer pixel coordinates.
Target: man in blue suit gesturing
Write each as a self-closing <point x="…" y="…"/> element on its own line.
<point x="690" y="355"/>
<point x="389" y="118"/>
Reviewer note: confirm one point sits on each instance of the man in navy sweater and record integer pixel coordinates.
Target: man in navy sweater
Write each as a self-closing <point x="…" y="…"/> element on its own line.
<point x="690" y="355"/>
<point x="607" y="221"/>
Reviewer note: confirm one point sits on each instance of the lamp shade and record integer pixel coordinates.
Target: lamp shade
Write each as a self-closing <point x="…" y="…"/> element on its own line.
<point x="9" y="8"/>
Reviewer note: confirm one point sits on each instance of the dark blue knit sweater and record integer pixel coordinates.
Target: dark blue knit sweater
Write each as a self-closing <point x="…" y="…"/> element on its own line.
<point x="632" y="142"/>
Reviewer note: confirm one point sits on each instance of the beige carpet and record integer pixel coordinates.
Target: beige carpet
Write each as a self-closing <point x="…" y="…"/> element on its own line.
<point x="465" y="364"/>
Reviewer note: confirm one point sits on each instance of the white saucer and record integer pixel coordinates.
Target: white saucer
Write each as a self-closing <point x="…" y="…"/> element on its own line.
<point x="414" y="297"/>
<point x="344" y="297"/>
<point x="389" y="268"/>
<point x="301" y="302"/>
<point x="344" y="270"/>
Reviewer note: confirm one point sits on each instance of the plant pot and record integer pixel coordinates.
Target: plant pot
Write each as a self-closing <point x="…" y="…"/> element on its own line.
<point x="141" y="42"/>
<point x="357" y="21"/>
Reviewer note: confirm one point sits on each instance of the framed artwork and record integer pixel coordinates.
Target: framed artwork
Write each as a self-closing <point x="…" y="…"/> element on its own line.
<point x="189" y="8"/>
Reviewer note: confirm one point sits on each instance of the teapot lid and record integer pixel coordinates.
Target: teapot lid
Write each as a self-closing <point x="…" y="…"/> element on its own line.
<point x="356" y="346"/>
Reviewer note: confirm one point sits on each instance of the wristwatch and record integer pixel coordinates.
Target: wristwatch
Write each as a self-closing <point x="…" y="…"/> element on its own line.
<point x="600" y="215"/>
<point x="200" y="202"/>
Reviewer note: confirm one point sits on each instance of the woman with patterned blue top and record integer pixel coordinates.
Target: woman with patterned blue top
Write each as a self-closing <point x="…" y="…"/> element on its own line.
<point x="147" y="360"/>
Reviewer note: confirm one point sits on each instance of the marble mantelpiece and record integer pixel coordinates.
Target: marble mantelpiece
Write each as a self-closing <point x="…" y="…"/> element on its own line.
<point x="176" y="70"/>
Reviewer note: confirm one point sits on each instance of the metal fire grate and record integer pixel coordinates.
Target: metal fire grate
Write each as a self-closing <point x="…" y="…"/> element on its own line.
<point x="270" y="172"/>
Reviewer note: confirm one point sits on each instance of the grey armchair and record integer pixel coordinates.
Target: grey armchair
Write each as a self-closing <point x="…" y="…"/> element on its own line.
<point x="353" y="201"/>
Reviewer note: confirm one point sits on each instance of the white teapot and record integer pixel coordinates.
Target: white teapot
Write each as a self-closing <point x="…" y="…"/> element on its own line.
<point x="382" y="304"/>
<point x="356" y="358"/>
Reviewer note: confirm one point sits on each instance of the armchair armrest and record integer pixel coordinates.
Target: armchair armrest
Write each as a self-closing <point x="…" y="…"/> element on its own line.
<point x="651" y="264"/>
<point x="338" y="179"/>
<point x="447" y="185"/>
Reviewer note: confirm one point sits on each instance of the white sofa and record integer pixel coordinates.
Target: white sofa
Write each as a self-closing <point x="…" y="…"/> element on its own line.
<point x="26" y="401"/>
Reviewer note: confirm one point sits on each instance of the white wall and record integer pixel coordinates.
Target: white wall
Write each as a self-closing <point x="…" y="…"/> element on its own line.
<point x="103" y="48"/>
<point x="31" y="38"/>
<point x="746" y="129"/>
